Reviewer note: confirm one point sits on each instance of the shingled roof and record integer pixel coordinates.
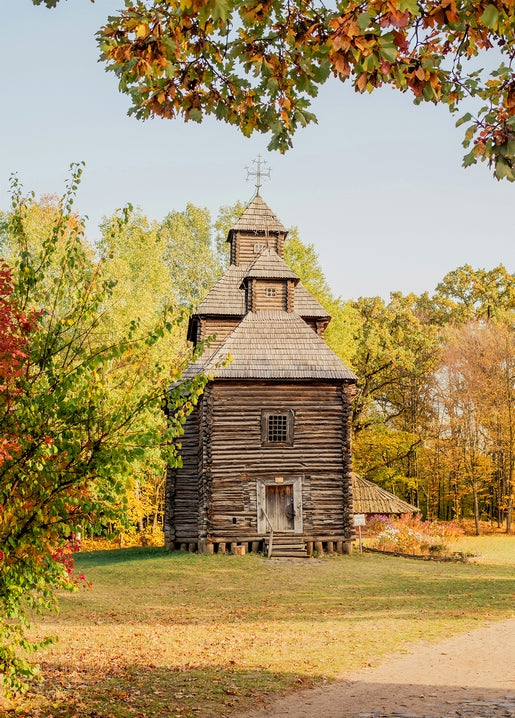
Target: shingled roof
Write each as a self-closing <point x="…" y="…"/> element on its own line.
<point x="369" y="498"/>
<point x="227" y="298"/>
<point x="269" y="265"/>
<point x="273" y="344"/>
<point x="307" y="306"/>
<point x="258" y="217"/>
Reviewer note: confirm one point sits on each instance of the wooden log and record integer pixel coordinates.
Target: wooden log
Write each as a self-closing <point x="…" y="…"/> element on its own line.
<point x="319" y="547"/>
<point x="309" y="548"/>
<point x="255" y="546"/>
<point x="184" y="547"/>
<point x="330" y="548"/>
<point x="205" y="546"/>
<point x="347" y="547"/>
<point x="233" y="547"/>
<point x="222" y="547"/>
<point x="192" y="547"/>
<point x="339" y="547"/>
<point x="239" y="550"/>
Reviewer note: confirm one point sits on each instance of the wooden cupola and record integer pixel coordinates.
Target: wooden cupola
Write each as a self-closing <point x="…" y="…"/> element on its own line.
<point x="269" y="283"/>
<point x="258" y="228"/>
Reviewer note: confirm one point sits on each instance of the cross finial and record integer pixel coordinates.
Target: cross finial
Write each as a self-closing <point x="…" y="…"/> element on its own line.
<point x="261" y="170"/>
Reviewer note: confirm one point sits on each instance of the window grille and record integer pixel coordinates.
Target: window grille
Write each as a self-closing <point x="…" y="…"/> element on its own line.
<point x="277" y="427"/>
<point x="270" y="292"/>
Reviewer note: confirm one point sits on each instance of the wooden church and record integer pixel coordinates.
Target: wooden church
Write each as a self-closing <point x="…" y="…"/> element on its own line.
<point x="266" y="454"/>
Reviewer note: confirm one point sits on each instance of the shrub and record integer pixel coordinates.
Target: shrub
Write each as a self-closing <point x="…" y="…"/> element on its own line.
<point x="411" y="535"/>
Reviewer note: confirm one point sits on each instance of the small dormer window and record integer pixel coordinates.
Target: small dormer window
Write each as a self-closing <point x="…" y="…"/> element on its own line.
<point x="270" y="292"/>
<point x="258" y="248"/>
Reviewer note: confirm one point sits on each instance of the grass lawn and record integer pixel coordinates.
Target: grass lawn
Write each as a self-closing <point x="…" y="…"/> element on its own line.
<point x="497" y="548"/>
<point x="180" y="634"/>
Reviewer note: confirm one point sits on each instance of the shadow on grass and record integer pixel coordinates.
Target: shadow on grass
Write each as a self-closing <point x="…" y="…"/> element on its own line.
<point x="149" y="691"/>
<point x="119" y="556"/>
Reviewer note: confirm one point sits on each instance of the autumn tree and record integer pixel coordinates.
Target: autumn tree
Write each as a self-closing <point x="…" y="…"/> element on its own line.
<point x="74" y="414"/>
<point x="153" y="264"/>
<point x="258" y="65"/>
<point x="466" y="294"/>
<point x="478" y="377"/>
<point x="15" y="330"/>
<point x="193" y="262"/>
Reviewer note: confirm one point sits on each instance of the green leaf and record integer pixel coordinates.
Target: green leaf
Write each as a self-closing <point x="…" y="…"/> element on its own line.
<point x="469" y="159"/>
<point x="388" y="51"/>
<point x="465" y="118"/>
<point x="195" y="115"/>
<point x="428" y="92"/>
<point x="503" y="170"/>
<point x="411" y="6"/>
<point x="490" y="17"/>
<point x="364" y="21"/>
<point x="221" y="10"/>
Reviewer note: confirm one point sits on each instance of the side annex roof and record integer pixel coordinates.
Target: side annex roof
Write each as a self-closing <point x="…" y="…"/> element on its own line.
<point x="369" y="498"/>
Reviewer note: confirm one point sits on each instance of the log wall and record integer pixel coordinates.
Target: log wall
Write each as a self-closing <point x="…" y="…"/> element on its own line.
<point x="220" y="327"/>
<point x="267" y="295"/>
<point x="246" y="247"/>
<point x="182" y="496"/>
<point x="215" y="494"/>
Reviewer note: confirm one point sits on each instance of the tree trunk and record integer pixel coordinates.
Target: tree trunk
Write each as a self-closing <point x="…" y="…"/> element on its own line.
<point x="476" y="507"/>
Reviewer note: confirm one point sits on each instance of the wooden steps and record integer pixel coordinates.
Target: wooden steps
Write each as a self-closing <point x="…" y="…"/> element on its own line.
<point x="287" y="546"/>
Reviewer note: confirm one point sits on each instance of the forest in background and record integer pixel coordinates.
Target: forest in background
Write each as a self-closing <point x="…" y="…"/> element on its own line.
<point x="434" y="415"/>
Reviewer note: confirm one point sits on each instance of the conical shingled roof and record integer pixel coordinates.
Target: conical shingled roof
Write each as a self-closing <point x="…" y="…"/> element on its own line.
<point x="369" y="498"/>
<point x="273" y="344"/>
<point x="258" y="217"/>
<point x="269" y="265"/>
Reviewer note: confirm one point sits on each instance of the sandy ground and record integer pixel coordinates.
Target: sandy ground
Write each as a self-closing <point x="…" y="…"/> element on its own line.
<point x="470" y="675"/>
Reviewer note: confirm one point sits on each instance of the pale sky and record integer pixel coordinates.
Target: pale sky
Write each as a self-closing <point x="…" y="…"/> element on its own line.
<point x="377" y="186"/>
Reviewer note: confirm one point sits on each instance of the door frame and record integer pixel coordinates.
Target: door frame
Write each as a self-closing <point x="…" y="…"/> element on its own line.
<point x="296" y="483"/>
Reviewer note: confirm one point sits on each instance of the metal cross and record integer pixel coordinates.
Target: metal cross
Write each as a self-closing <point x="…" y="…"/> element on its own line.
<point x="260" y="171"/>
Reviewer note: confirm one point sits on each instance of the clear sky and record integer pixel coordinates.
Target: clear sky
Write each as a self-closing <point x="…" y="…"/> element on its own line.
<point x="377" y="186"/>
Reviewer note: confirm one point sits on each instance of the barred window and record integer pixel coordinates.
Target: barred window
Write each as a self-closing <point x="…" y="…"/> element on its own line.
<point x="270" y="292"/>
<point x="277" y="427"/>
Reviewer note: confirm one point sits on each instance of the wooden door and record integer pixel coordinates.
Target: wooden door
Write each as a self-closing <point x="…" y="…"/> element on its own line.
<point x="279" y="506"/>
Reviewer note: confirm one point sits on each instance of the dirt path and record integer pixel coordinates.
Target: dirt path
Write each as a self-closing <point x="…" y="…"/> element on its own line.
<point x="471" y="675"/>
